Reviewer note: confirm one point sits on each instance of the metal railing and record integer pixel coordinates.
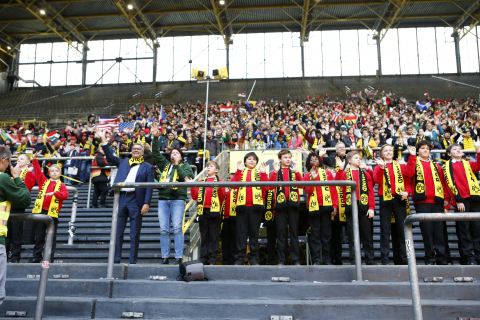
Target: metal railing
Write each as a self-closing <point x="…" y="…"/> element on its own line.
<point x="42" y="285"/>
<point x="412" y="262"/>
<point x="118" y="186"/>
<point x="73" y="217"/>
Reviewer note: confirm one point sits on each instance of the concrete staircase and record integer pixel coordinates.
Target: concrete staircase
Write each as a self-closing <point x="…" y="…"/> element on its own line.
<point x="243" y="292"/>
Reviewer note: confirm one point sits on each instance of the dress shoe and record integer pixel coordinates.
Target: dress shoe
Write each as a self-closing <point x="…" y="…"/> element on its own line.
<point x="429" y="263"/>
<point x="213" y="263"/>
<point x="164" y="261"/>
<point x="16" y="260"/>
<point x="102" y="206"/>
<point x="385" y="262"/>
<point x="371" y="263"/>
<point x="34" y="260"/>
<point x="253" y="262"/>
<point x="327" y="263"/>
<point x="296" y="263"/>
<point x="316" y="263"/>
<point x="177" y="261"/>
<point x="240" y="262"/>
<point x="281" y="263"/>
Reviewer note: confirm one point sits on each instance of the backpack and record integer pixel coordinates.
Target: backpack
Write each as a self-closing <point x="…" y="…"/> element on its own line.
<point x="191" y="271"/>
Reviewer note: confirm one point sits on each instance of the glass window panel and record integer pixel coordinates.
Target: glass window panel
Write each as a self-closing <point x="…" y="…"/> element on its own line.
<point x="368" y="53"/>
<point x="165" y="59"/>
<point x="44" y="52"/>
<point x="143" y="50"/>
<point x="59" y="74"/>
<point x="446" y="51"/>
<point x="74" y="74"/>
<point x="408" y="51"/>
<point x="292" y="54"/>
<point x="111" y="49"/>
<point x="112" y="75"/>
<point x="427" y="53"/>
<point x="60" y="51"/>
<point x="28" y="53"/>
<point x="42" y="74"/>
<point x="469" y="53"/>
<point x="144" y="70"/>
<point x="218" y="54"/>
<point x="128" y="48"/>
<point x="181" y="56"/>
<point x="389" y="48"/>
<point x="238" y="57"/>
<point x="200" y="50"/>
<point x="127" y="71"/>
<point x="94" y="72"/>
<point x="273" y="55"/>
<point x="349" y="53"/>
<point x="96" y="50"/>
<point x="331" y="50"/>
<point x="313" y="55"/>
<point x="27" y="73"/>
<point x="255" y="55"/>
<point x="74" y="54"/>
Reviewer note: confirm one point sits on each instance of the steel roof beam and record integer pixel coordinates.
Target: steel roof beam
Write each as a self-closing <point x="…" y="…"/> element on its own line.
<point x="468" y="20"/>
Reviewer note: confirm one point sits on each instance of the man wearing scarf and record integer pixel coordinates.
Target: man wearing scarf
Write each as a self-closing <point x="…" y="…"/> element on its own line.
<point x="134" y="202"/>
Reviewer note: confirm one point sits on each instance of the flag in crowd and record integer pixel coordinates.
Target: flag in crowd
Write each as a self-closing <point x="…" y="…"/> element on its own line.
<point x="107" y="123"/>
<point x="162" y="115"/>
<point x="242" y="95"/>
<point x="423" y="106"/>
<point x="7" y="136"/>
<point x="385" y="101"/>
<point x="126" y="125"/>
<point x="351" y="118"/>
<point x="404" y="100"/>
<point x="50" y="135"/>
<point x="227" y="108"/>
<point x="335" y="117"/>
<point x="371" y="92"/>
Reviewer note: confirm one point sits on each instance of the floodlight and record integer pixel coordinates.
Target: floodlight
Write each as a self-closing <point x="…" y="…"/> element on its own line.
<point x="129" y="7"/>
<point x="198" y="73"/>
<point x="42" y="12"/>
<point x="220" y="73"/>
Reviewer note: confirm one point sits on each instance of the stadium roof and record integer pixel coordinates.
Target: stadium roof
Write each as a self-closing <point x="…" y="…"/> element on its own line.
<point x="78" y="21"/>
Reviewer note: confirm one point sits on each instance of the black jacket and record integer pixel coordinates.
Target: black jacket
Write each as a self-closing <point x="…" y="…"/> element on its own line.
<point x="99" y="158"/>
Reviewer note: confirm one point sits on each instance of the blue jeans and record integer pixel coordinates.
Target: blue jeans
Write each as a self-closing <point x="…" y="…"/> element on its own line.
<point x="85" y="170"/>
<point x="171" y="210"/>
<point x="212" y="157"/>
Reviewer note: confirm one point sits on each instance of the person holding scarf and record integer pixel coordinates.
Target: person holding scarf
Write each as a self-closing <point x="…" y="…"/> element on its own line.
<point x="258" y="143"/>
<point x="134" y="202"/>
<point x="359" y="173"/>
<point x="465" y="194"/>
<point x="365" y="146"/>
<point x="51" y="194"/>
<point x="171" y="202"/>
<point x="229" y="227"/>
<point x="249" y="208"/>
<point x="209" y="204"/>
<point x="322" y="205"/>
<point x="286" y="205"/>
<point x="315" y="141"/>
<point x="429" y="195"/>
<point x="393" y="191"/>
<point x="14" y="239"/>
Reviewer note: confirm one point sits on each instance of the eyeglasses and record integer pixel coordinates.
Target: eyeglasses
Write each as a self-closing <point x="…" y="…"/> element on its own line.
<point x="137" y="149"/>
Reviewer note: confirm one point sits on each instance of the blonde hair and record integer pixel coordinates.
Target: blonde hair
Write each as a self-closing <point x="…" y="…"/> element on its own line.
<point x="55" y="166"/>
<point x="214" y="163"/>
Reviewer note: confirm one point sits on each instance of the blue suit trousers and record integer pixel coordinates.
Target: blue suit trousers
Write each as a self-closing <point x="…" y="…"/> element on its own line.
<point x="128" y="208"/>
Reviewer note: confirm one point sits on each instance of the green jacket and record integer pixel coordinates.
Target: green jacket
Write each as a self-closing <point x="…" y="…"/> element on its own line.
<point x="183" y="170"/>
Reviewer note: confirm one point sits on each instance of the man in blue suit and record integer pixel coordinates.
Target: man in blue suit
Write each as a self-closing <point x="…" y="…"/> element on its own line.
<point x="134" y="202"/>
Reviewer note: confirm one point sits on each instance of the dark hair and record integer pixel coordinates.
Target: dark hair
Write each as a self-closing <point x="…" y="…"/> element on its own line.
<point x="450" y="147"/>
<point x="422" y="143"/>
<point x="282" y="152"/>
<point x="309" y="157"/>
<point x="250" y="154"/>
<point x="169" y="157"/>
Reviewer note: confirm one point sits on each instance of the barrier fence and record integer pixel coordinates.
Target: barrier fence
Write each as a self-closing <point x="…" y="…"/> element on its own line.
<point x="42" y="285"/>
<point x="118" y="186"/>
<point x="412" y="262"/>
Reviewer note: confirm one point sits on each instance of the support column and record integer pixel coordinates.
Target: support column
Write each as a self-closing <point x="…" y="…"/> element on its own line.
<point x="155" y="56"/>
<point x="84" y="65"/>
<point x="379" y="57"/>
<point x="227" y="47"/>
<point x="457" y="52"/>
<point x="303" y="59"/>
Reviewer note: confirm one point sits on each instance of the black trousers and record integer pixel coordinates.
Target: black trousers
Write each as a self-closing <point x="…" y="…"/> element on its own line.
<point x="336" y="241"/>
<point x="432" y="234"/>
<point x="271" y="242"/>
<point x="287" y="220"/>
<point x="229" y="240"/>
<point x="40" y="234"/>
<point x="399" y="209"/>
<point x="366" y="236"/>
<point x="320" y="236"/>
<point x="210" y="236"/>
<point x="248" y="226"/>
<point x="468" y="233"/>
<point x="100" y="189"/>
<point x="14" y="239"/>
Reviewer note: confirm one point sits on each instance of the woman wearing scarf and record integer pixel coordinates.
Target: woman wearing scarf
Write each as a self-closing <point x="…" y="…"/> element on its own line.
<point x="171" y="202"/>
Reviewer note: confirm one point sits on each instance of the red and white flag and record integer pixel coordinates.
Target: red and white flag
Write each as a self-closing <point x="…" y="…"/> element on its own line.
<point x="107" y="123"/>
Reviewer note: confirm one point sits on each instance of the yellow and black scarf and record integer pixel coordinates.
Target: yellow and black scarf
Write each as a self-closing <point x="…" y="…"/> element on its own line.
<point x="399" y="187"/>
<point x="24" y="174"/>
<point x="419" y="193"/>
<point x="231" y="198"/>
<point x="327" y="204"/>
<point x="163" y="177"/>
<point x="362" y="184"/>
<point x="54" y="204"/>
<point x="134" y="161"/>
<point x="471" y="179"/>
<point x="447" y="142"/>
<point x="269" y="207"/>
<point x="258" y="142"/>
<point x="215" y="200"/>
<point x="141" y="140"/>
<point x="366" y="149"/>
<point x="282" y="202"/>
<point x="316" y="142"/>
<point x="256" y="193"/>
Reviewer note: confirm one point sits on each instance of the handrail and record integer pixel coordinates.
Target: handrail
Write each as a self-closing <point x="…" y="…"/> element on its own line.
<point x="118" y="186"/>
<point x="412" y="263"/>
<point x="42" y="285"/>
<point x="91" y="157"/>
<point x="189" y="222"/>
<point x="73" y="217"/>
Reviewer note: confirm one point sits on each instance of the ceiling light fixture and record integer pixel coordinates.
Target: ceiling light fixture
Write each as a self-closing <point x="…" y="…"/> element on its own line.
<point x="9" y="48"/>
<point x="42" y="12"/>
<point x="221" y="2"/>
<point x="129" y="7"/>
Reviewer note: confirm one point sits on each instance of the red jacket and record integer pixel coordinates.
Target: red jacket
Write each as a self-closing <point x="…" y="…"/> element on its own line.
<point x="30" y="181"/>
<point x="60" y="195"/>
<point x="208" y="194"/>
<point x="461" y="179"/>
<point x="342" y="175"/>
<point x="379" y="173"/>
<point x="333" y="190"/>
<point x="428" y="177"/>
<point x="238" y="177"/>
